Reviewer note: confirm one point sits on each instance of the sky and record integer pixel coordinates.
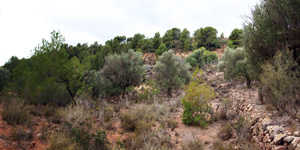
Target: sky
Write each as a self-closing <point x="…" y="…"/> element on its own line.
<point x="23" y="24"/>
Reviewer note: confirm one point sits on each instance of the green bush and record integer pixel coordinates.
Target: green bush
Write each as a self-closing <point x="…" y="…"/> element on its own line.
<point x="5" y="77"/>
<point x="161" y="49"/>
<point x="281" y="83"/>
<point x="200" y="57"/>
<point x="124" y="70"/>
<point x="196" y="102"/>
<point x="235" y="63"/>
<point x="171" y="72"/>
<point x="14" y="113"/>
<point x="88" y="139"/>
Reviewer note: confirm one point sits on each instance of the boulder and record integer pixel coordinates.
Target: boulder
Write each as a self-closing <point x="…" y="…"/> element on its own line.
<point x="297" y="133"/>
<point x="279" y="148"/>
<point x="279" y="138"/>
<point x="288" y="139"/>
<point x="295" y="142"/>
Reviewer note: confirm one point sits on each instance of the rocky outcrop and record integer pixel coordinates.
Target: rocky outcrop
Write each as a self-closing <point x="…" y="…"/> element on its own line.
<point x="271" y="136"/>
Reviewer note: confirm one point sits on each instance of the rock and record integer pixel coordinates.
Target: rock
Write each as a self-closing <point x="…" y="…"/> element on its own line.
<point x="266" y="122"/>
<point x="279" y="148"/>
<point x="297" y="133"/>
<point x="32" y="145"/>
<point x="295" y="142"/>
<point x="267" y="138"/>
<point x="288" y="139"/>
<point x="278" y="138"/>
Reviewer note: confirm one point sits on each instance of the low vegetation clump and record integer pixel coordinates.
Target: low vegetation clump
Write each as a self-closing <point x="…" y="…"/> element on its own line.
<point x="196" y="102"/>
<point x="200" y="57"/>
<point x="192" y="144"/>
<point x="14" y="113"/>
<point x="60" y="141"/>
<point x="156" y="140"/>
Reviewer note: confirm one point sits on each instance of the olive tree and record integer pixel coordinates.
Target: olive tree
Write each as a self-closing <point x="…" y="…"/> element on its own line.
<point x="235" y="63"/>
<point x="124" y="70"/>
<point x="171" y="72"/>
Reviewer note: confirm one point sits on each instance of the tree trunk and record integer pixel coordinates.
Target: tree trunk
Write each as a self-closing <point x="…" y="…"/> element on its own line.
<point x="169" y="92"/>
<point x="249" y="83"/>
<point x="260" y="96"/>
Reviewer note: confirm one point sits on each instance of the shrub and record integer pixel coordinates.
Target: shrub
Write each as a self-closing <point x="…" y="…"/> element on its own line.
<point x="88" y="139"/>
<point x="5" y="77"/>
<point x="60" y="141"/>
<point x="124" y="70"/>
<point x="21" y="134"/>
<point x="192" y="144"/>
<point x="196" y="58"/>
<point x="14" y="113"/>
<point x="156" y="139"/>
<point x="226" y="132"/>
<point x="149" y="92"/>
<point x="235" y="63"/>
<point x="131" y="118"/>
<point x="171" y="72"/>
<point x="281" y="83"/>
<point x="196" y="102"/>
<point x="108" y="114"/>
<point x="161" y="49"/>
<point x="210" y="56"/>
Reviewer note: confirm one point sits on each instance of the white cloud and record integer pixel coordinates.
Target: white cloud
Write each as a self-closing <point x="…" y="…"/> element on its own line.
<point x="23" y="24"/>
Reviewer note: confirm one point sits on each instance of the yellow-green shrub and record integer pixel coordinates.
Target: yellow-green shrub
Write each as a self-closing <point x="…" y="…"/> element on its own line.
<point x="196" y="102"/>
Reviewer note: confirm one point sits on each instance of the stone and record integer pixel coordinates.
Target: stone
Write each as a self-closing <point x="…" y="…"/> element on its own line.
<point x="267" y="138"/>
<point x="297" y="133"/>
<point x="295" y="142"/>
<point x="279" y="148"/>
<point x="288" y="139"/>
<point x="266" y="122"/>
<point x="278" y="138"/>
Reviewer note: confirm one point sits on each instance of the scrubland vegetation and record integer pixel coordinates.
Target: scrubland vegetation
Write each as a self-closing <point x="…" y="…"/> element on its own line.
<point x="104" y="96"/>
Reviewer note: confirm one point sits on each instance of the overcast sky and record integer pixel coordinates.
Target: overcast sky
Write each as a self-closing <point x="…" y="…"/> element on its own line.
<point x="24" y="23"/>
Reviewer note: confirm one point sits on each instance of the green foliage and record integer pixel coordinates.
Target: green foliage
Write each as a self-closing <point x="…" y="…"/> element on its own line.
<point x="137" y="40"/>
<point x="281" y="83"/>
<point x="196" y="58"/>
<point x="14" y="113"/>
<point x="200" y="57"/>
<point x="207" y="37"/>
<point x="89" y="140"/>
<point x="210" y="56"/>
<point x="98" y="61"/>
<point x="139" y="50"/>
<point x="149" y="92"/>
<point x="12" y="63"/>
<point x="273" y="26"/>
<point x="176" y="33"/>
<point x="235" y="63"/>
<point x="5" y="77"/>
<point x="184" y="36"/>
<point x="157" y="40"/>
<point x="124" y="70"/>
<point x="171" y="72"/>
<point x="235" y="38"/>
<point x="168" y="39"/>
<point x="187" y="45"/>
<point x="161" y="49"/>
<point x="196" y="102"/>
